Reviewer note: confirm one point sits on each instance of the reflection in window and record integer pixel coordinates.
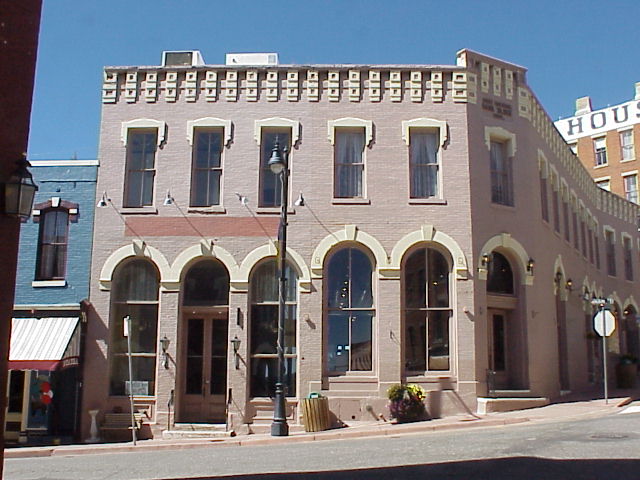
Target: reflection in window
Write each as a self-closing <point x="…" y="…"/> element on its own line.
<point x="427" y="311"/>
<point x="52" y="244"/>
<point x="134" y="294"/>
<point x="350" y="312"/>
<point x="500" y="275"/>
<point x="206" y="168"/>
<point x="270" y="187"/>
<point x="264" y="330"/>
<point x="206" y="283"/>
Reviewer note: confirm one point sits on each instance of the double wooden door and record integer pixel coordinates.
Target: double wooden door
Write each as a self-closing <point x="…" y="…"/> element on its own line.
<point x="204" y="368"/>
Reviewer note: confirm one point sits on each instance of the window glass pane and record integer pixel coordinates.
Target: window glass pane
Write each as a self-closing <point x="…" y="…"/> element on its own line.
<point x="136" y="280"/>
<point x="349" y="162"/>
<point x="208" y="149"/>
<point x="499" y="347"/>
<point x="264" y="375"/>
<point x="213" y="197"/>
<point x="438" y="285"/>
<point x="439" y="340"/>
<point x="16" y="390"/>
<point x="500" y="276"/>
<point x="361" y="280"/>
<point x="206" y="283"/>
<point x="142" y="328"/>
<point x="195" y="352"/>
<point x="415" y="279"/>
<point x="219" y="342"/>
<point x="134" y="189"/>
<point x="338" y="280"/>
<point x="361" y="341"/>
<point x="338" y="342"/>
<point x="424" y="164"/>
<point x="143" y="371"/>
<point x="265" y="283"/>
<point x="264" y="329"/>
<point x="415" y="332"/>
<point x="270" y="188"/>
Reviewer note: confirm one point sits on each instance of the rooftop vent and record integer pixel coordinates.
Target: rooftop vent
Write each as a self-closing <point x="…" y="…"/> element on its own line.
<point x="184" y="58"/>
<point x="252" y="59"/>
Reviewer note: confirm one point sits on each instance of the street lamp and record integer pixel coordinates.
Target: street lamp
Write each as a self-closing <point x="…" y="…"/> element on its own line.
<point x="279" y="165"/>
<point x="19" y="191"/>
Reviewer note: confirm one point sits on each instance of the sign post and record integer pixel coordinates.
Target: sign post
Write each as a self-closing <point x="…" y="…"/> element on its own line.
<point x="127" y="333"/>
<point x="604" y="323"/>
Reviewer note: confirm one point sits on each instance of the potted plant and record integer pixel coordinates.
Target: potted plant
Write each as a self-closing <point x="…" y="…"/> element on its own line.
<point x="406" y="402"/>
<point x="626" y="371"/>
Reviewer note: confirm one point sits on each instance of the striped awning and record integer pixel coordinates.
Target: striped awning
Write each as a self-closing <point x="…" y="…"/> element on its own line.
<point x="44" y="343"/>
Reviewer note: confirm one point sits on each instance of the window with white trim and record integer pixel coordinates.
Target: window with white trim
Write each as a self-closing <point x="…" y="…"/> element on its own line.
<point x="604" y="184"/>
<point x="544" y="198"/>
<point x="600" y="151"/>
<point x="501" y="174"/>
<point x="51" y="258"/>
<point x="140" y="167"/>
<point x="270" y="184"/>
<point x="349" y="163"/>
<point x="631" y="187"/>
<point x="206" y="169"/>
<point x="423" y="163"/>
<point x="555" y="199"/>
<point x="626" y="145"/>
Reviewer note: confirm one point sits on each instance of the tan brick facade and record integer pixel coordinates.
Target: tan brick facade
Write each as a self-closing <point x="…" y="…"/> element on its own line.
<point x="474" y="104"/>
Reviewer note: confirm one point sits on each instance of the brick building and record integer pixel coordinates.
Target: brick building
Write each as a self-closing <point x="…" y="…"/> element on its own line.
<point x="449" y="237"/>
<point x="52" y="288"/>
<point x="605" y="142"/>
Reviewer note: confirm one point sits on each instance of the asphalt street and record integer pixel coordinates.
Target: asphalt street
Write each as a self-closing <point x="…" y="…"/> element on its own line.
<point x="594" y="449"/>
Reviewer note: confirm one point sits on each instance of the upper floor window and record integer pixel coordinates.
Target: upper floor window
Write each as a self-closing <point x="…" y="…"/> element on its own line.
<point x="544" y="198"/>
<point x="52" y="244"/>
<point x="604" y="183"/>
<point x="501" y="174"/>
<point x="349" y="163"/>
<point x="631" y="187"/>
<point x="600" y="150"/>
<point x="270" y="185"/>
<point x="206" y="167"/>
<point x="565" y="215"/>
<point x="576" y="235"/>
<point x="628" y="259"/>
<point x="423" y="163"/>
<point x="611" y="252"/>
<point x="555" y="199"/>
<point x="140" y="168"/>
<point x="626" y="145"/>
<point x="350" y="312"/>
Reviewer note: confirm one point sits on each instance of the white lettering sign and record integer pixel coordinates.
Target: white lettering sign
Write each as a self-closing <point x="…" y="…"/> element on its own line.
<point x="600" y="121"/>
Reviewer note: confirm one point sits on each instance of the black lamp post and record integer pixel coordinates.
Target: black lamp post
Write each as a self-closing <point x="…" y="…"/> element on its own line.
<point x="279" y="164"/>
<point x="19" y="191"/>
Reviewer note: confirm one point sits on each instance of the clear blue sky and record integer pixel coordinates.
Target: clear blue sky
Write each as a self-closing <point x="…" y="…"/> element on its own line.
<point x="571" y="48"/>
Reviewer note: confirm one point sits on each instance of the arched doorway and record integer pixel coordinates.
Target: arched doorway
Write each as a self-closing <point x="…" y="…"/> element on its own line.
<point x="202" y="366"/>
<point x="506" y="339"/>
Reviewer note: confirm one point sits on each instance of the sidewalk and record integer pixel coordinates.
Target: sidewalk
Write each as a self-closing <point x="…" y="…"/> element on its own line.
<point x="572" y="406"/>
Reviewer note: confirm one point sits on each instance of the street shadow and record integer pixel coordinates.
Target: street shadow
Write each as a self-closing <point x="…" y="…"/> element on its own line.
<point x="521" y="468"/>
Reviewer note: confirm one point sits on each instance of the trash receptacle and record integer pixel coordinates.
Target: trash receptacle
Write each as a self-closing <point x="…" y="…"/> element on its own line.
<point x="315" y="413"/>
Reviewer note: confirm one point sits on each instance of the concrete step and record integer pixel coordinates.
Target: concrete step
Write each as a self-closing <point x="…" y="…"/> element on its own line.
<point x="505" y="404"/>
<point x="199" y="427"/>
<point x="202" y="434"/>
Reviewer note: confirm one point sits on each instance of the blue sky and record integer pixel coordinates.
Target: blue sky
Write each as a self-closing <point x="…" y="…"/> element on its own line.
<point x="571" y="48"/>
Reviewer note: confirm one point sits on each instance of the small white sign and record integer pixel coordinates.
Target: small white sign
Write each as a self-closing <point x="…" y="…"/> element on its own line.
<point x="125" y="326"/>
<point x="604" y="323"/>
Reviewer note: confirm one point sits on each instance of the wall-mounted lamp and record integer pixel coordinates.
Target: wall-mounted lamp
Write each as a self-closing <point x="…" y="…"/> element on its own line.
<point x="168" y="200"/>
<point x="164" y="345"/>
<point x="530" y="264"/>
<point x="104" y="201"/>
<point x="486" y="259"/>
<point x="569" y="284"/>
<point x="19" y="191"/>
<point x="300" y="201"/>
<point x="235" y="342"/>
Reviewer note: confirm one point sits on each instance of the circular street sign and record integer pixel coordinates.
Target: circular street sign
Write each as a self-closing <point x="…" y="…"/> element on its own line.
<point x="604" y="323"/>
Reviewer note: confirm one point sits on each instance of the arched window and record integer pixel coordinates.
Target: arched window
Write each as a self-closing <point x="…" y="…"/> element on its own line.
<point x="206" y="284"/>
<point x="350" y="312"/>
<point x="134" y="294"/>
<point x="264" y="330"/>
<point x="500" y="275"/>
<point x="52" y="244"/>
<point x="427" y="311"/>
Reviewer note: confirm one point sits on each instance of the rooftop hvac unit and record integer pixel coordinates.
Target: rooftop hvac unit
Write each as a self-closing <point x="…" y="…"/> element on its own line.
<point x="252" y="59"/>
<point x="185" y="58"/>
